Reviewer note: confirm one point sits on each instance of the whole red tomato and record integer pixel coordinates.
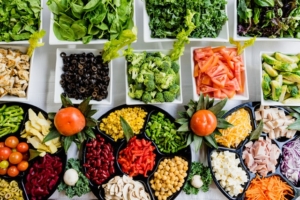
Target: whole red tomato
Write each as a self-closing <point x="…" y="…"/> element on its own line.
<point x="12" y="142"/>
<point x="15" y="158"/>
<point x="69" y="121"/>
<point x="12" y="171"/>
<point x="22" y="147"/>
<point x="203" y="122"/>
<point x="3" y="171"/>
<point x="4" y="153"/>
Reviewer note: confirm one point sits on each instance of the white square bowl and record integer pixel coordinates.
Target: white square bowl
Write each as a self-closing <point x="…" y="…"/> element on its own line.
<point x="244" y="96"/>
<point x="270" y="102"/>
<point x="237" y="37"/>
<point x="223" y="35"/>
<point x="23" y="49"/>
<point x="54" y="41"/>
<point x="58" y="90"/>
<point x="130" y="101"/>
<point x="26" y="41"/>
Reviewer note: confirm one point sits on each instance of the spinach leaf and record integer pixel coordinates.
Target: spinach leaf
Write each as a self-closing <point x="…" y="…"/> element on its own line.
<point x="79" y="30"/>
<point x="91" y="5"/>
<point x="87" y="39"/>
<point x="67" y="32"/>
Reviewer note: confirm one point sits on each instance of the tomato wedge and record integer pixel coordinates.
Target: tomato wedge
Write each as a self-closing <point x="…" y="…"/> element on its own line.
<point x="220" y="80"/>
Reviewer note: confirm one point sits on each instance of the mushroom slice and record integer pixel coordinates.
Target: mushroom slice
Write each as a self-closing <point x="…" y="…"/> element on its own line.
<point x="127" y="179"/>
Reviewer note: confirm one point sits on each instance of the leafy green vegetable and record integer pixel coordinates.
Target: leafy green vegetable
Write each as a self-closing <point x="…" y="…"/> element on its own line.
<point x="167" y="17"/>
<point x="19" y="19"/>
<point x="206" y="177"/>
<point x="268" y="18"/>
<point x="82" y="185"/>
<point x="94" y="19"/>
<point x="239" y="46"/>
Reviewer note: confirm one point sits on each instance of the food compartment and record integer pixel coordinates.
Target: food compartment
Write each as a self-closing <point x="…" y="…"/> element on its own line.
<point x="242" y="119"/>
<point x="135" y="115"/>
<point x="170" y="176"/>
<point x="50" y="170"/>
<point x="262" y="156"/>
<point x="162" y="130"/>
<point x="276" y="119"/>
<point x="11" y="188"/>
<point x="228" y="162"/>
<point x="290" y="162"/>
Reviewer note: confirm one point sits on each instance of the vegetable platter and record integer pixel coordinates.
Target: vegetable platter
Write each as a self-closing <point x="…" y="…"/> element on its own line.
<point x="91" y="22"/>
<point x="268" y="20"/>
<point x="116" y="150"/>
<point x="102" y="82"/>
<point x="219" y="32"/>
<point x="40" y="178"/>
<point x="244" y="161"/>
<point x="224" y="79"/>
<point x="18" y="32"/>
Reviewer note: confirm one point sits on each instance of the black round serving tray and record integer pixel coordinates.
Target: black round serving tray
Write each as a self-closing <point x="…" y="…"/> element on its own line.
<point x="280" y="142"/>
<point x="21" y="178"/>
<point x="120" y="144"/>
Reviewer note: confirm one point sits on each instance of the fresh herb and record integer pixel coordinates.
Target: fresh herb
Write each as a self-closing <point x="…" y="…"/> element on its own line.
<point x="241" y="47"/>
<point x="167" y="17"/>
<point x="95" y="19"/>
<point x="82" y="185"/>
<point x="268" y="18"/>
<point x="34" y="41"/>
<point x="126" y="129"/>
<point x="19" y="19"/>
<point x="112" y="47"/>
<point x="206" y="177"/>
<point x="254" y="135"/>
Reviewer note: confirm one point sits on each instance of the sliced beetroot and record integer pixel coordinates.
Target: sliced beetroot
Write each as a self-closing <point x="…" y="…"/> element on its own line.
<point x="43" y="176"/>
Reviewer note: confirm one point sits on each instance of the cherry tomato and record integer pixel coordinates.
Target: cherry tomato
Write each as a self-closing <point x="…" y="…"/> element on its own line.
<point x="3" y="171"/>
<point x="203" y="122"/>
<point x="22" y="147"/>
<point x="4" y="164"/>
<point x="12" y="142"/>
<point x="15" y="158"/>
<point x="22" y="166"/>
<point x="4" y="153"/>
<point x="12" y="171"/>
<point x="2" y="144"/>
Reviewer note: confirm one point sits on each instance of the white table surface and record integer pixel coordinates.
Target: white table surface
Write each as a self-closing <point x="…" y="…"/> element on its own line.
<point x="41" y="92"/>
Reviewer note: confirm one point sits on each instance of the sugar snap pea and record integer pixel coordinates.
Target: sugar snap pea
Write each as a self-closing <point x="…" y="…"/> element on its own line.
<point x="164" y="134"/>
<point x="10" y="119"/>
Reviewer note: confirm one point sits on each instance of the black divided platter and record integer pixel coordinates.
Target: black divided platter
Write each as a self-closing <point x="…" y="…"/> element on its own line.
<point x="21" y="178"/>
<point x="280" y="142"/>
<point x="120" y="144"/>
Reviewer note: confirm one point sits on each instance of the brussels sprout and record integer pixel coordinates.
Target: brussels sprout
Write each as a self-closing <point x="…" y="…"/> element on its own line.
<point x="291" y="77"/>
<point x="270" y="60"/>
<point x="269" y="69"/>
<point x="285" y="58"/>
<point x="283" y="92"/>
<point x="276" y="90"/>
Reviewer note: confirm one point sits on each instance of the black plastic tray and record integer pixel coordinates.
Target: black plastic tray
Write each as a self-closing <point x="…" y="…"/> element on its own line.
<point x="21" y="178"/>
<point x="120" y="144"/>
<point x="280" y="142"/>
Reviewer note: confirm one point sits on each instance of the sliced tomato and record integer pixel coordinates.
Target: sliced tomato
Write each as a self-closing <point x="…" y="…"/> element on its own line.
<point x="216" y="70"/>
<point x="242" y="88"/>
<point x="227" y="58"/>
<point x="237" y="74"/>
<point x="217" y="49"/>
<point x="232" y="85"/>
<point x="220" y="80"/>
<point x="229" y="93"/>
<point x="207" y="64"/>
<point x="196" y="70"/>
<point x="219" y="94"/>
<point x="207" y="89"/>
<point x="206" y="80"/>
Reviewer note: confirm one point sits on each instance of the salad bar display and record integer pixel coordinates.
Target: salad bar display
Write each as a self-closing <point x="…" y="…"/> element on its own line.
<point x="155" y="157"/>
<point x="160" y="128"/>
<point x="255" y="162"/>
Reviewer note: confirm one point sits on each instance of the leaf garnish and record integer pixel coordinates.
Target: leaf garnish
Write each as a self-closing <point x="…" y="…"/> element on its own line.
<point x="223" y="124"/>
<point x="197" y="142"/>
<point x="254" y="135"/>
<point x="218" y="106"/>
<point x="128" y="133"/>
<point x="34" y="41"/>
<point x="53" y="133"/>
<point x="66" y="102"/>
<point x="239" y="46"/>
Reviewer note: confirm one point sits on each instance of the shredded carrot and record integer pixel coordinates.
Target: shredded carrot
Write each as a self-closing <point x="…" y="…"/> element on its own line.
<point x="270" y="188"/>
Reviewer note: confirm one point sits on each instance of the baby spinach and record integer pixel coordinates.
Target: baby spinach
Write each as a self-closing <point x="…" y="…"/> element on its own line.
<point x="19" y="19"/>
<point x="100" y="19"/>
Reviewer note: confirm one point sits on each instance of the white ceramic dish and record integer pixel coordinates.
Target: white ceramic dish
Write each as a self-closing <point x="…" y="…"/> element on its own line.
<point x="223" y="36"/>
<point x="244" y="96"/>
<point x="26" y="41"/>
<point x="23" y="49"/>
<point x="271" y="102"/>
<point x="236" y="37"/>
<point x="130" y="101"/>
<point x="54" y="41"/>
<point x="58" y="71"/>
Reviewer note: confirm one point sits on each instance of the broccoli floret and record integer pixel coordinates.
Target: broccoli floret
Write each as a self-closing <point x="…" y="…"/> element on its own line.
<point x="138" y="58"/>
<point x="159" y="97"/>
<point x="174" y="89"/>
<point x="167" y="58"/>
<point x="133" y="71"/>
<point x="138" y="94"/>
<point x="169" y="80"/>
<point x="158" y="54"/>
<point x="146" y="97"/>
<point x="293" y="90"/>
<point x="159" y="77"/>
<point x="158" y="61"/>
<point x="166" y="65"/>
<point x="135" y="91"/>
<point x="150" y="85"/>
<point x="138" y="86"/>
<point x="168" y="96"/>
<point x="131" y="91"/>
<point x="175" y="66"/>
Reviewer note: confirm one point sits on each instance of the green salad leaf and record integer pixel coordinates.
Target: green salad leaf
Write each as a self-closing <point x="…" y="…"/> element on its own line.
<point x="206" y="177"/>
<point x="82" y="185"/>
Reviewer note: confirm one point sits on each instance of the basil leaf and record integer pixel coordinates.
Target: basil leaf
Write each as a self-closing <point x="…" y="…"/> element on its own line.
<point x="128" y="133"/>
<point x="254" y="135"/>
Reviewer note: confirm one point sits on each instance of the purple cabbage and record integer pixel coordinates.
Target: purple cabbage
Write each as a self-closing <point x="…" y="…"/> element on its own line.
<point x="290" y="166"/>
